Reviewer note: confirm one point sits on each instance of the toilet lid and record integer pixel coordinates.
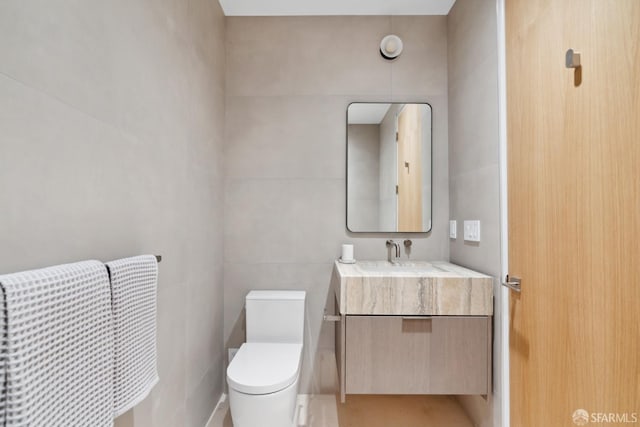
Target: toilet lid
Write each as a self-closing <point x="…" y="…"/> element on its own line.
<point x="262" y="368"/>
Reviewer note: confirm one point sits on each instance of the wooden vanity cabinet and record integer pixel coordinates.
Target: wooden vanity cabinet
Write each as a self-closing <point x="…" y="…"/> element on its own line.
<point x="414" y="354"/>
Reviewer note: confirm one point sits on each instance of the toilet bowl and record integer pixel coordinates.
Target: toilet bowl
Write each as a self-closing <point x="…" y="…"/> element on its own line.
<point x="264" y="374"/>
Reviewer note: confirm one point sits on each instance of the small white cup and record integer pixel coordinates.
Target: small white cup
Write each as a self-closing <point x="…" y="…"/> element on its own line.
<point x="347" y="253"/>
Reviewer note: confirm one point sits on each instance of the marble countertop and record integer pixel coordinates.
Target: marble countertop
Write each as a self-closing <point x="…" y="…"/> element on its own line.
<point x="411" y="288"/>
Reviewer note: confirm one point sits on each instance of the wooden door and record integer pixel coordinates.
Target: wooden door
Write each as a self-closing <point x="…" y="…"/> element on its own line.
<point x="574" y="211"/>
<point x="410" y="169"/>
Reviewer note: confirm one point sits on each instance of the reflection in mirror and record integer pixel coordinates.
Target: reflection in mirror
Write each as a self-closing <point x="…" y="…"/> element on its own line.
<point x="389" y="167"/>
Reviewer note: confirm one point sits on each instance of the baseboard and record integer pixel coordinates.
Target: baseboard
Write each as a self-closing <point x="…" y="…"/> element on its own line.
<point x="223" y="398"/>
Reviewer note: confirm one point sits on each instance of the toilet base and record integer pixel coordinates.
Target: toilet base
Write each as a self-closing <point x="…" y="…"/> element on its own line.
<point x="264" y="410"/>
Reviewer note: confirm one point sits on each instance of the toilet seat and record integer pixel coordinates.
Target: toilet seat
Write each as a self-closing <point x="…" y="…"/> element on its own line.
<point x="263" y="368"/>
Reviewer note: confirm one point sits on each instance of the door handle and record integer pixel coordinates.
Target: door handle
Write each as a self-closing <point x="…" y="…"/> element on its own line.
<point x="513" y="283"/>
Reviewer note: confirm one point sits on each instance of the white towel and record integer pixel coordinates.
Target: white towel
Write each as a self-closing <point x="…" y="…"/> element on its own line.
<point x="58" y="346"/>
<point x="3" y="358"/>
<point x="134" y="289"/>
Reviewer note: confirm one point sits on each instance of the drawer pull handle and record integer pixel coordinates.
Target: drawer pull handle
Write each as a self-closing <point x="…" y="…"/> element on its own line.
<point x="417" y="317"/>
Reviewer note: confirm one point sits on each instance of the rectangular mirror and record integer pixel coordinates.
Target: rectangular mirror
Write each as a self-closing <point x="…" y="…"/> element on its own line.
<point x="389" y="167"/>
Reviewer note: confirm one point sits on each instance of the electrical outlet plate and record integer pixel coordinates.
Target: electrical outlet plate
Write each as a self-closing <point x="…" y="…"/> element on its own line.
<point x="453" y="229"/>
<point x="472" y="231"/>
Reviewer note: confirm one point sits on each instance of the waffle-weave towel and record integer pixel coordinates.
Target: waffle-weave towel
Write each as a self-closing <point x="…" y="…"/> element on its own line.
<point x="57" y="349"/>
<point x="134" y="283"/>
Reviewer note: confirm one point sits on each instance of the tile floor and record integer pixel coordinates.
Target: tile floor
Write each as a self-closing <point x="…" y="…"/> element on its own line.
<point x="370" y="411"/>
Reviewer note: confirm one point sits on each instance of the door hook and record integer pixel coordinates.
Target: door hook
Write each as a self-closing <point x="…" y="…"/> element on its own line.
<point x="572" y="59"/>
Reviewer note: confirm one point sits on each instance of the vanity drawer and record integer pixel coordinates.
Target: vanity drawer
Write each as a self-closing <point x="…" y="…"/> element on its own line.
<point x="417" y="355"/>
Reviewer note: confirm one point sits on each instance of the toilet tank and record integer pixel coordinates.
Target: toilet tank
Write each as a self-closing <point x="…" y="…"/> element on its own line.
<point x="275" y="316"/>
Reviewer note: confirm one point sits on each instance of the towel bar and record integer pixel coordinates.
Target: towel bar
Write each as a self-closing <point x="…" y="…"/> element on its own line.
<point x="158" y="258"/>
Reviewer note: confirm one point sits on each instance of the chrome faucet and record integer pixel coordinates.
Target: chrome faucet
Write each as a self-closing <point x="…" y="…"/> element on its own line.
<point x="390" y="257"/>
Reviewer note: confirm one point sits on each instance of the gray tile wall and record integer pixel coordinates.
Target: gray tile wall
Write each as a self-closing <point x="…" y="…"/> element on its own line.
<point x="112" y="116"/>
<point x="289" y="81"/>
<point x="474" y="161"/>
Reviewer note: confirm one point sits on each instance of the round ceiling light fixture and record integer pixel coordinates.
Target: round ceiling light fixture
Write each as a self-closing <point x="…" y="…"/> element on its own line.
<point x="391" y="47"/>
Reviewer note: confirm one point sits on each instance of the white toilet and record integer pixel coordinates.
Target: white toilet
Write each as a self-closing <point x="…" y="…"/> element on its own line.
<point x="263" y="375"/>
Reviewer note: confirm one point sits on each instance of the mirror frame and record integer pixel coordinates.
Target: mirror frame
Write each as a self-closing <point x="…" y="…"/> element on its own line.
<point x="346" y="187"/>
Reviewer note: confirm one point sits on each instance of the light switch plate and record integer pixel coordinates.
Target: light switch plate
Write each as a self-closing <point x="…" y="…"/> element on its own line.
<point x="472" y="231"/>
<point x="453" y="229"/>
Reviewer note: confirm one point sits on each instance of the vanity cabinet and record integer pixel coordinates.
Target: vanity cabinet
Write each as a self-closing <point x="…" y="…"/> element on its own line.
<point x="414" y="354"/>
<point x="412" y="328"/>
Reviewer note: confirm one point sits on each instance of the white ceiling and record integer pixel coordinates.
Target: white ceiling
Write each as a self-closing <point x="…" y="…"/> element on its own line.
<point x="335" y="7"/>
<point x="367" y="114"/>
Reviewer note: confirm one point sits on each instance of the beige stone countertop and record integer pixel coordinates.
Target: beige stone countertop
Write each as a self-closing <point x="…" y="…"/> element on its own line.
<point x="436" y="288"/>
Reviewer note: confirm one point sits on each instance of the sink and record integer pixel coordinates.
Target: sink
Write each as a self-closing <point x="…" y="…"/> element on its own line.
<point x="425" y="288"/>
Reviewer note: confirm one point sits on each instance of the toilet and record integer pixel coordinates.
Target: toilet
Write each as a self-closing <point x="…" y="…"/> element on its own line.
<point x="263" y="376"/>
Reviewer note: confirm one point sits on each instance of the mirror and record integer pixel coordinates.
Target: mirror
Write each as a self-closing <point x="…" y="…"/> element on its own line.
<point x="389" y="167"/>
